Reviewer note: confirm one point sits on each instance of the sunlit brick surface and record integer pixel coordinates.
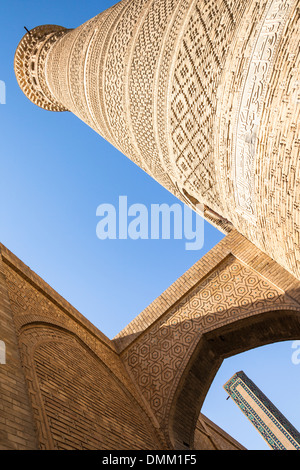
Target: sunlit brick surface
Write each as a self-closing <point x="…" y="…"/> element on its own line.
<point x="203" y="95"/>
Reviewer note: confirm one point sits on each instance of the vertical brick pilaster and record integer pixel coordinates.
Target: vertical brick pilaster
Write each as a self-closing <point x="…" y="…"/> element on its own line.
<point x="17" y="430"/>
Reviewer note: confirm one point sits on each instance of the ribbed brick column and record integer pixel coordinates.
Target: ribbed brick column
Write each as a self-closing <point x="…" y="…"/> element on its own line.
<point x="202" y="95"/>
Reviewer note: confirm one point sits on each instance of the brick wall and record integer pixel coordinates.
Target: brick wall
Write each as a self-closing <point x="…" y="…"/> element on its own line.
<point x="16" y="418"/>
<point x="63" y="385"/>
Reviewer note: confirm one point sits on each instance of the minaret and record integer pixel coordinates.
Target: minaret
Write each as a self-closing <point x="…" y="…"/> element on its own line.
<point x="203" y="95"/>
<point x="272" y="425"/>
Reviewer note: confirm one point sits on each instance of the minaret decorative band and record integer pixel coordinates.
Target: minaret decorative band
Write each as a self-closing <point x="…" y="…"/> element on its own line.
<point x="29" y="65"/>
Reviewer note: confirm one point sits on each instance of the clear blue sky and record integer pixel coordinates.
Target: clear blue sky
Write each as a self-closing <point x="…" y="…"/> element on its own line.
<point x="55" y="171"/>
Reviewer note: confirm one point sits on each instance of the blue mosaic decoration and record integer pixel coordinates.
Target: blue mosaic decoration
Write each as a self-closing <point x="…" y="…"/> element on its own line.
<point x="284" y="427"/>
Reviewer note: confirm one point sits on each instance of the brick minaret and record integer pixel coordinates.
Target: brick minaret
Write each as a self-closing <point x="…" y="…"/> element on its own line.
<point x="201" y="94"/>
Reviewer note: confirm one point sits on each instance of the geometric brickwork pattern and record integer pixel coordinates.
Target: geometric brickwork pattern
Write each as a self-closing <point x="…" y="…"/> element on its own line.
<point x="276" y="430"/>
<point x="230" y="293"/>
<point x="194" y="99"/>
<point x="201" y="94"/>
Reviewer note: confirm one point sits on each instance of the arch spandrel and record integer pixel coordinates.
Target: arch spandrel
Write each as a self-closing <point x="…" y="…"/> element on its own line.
<point x="232" y="295"/>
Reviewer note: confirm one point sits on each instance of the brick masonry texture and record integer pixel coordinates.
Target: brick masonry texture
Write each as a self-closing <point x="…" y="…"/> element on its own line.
<point x="78" y="394"/>
<point x="67" y="386"/>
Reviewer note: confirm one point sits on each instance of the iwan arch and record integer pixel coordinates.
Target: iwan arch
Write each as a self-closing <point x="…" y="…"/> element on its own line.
<point x="203" y="96"/>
